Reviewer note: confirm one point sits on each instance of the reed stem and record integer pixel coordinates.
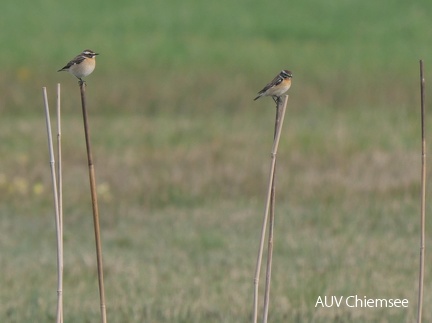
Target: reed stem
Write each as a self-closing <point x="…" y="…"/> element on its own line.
<point x="59" y="316"/>
<point x="271" y="225"/>
<point x="282" y="103"/>
<point x="95" y="207"/>
<point x="423" y="196"/>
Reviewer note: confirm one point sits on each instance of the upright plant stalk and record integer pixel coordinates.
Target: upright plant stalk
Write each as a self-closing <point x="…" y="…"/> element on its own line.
<point x="60" y="193"/>
<point x="56" y="210"/>
<point x="423" y="197"/>
<point x="59" y="160"/>
<point x="281" y="107"/>
<point x="94" y="205"/>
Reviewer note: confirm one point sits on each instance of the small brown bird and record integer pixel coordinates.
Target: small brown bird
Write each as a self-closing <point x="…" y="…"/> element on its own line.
<point x="278" y="86"/>
<point x="82" y="65"/>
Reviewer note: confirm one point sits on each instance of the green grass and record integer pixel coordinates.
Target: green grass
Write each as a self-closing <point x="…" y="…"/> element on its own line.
<point x="182" y="158"/>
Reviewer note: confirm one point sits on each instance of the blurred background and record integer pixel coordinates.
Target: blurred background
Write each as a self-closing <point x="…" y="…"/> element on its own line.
<point x="182" y="154"/>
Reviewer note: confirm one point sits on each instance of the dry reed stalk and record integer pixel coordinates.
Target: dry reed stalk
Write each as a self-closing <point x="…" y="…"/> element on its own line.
<point x="423" y="197"/>
<point x="60" y="192"/>
<point x="279" y="106"/>
<point x="59" y="158"/>
<point x="56" y="210"/>
<point x="269" y="209"/>
<point x="95" y="207"/>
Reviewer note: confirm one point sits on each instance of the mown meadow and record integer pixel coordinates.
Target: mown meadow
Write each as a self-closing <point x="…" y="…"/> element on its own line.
<point x="182" y="155"/>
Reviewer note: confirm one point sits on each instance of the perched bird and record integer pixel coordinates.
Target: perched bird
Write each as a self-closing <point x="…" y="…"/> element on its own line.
<point x="278" y="86"/>
<point x="82" y="65"/>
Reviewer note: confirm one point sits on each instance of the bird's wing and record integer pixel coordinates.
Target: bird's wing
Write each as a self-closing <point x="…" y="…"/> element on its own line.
<point x="276" y="81"/>
<point x="77" y="60"/>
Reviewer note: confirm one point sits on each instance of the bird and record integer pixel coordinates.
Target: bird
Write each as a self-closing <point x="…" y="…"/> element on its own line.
<point x="82" y="65"/>
<point x="277" y="87"/>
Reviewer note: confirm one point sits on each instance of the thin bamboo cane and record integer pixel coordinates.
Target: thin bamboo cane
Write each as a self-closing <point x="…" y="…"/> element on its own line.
<point x="267" y="209"/>
<point x="56" y="207"/>
<point x="60" y="193"/>
<point x="279" y="106"/>
<point x="423" y="197"/>
<point x="94" y="206"/>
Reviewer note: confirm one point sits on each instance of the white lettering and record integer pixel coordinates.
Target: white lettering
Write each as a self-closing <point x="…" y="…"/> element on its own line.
<point x="329" y="301"/>
<point x="380" y="301"/>
<point x="338" y="302"/>
<point x="347" y="301"/>
<point x="356" y="301"/>
<point x="319" y="301"/>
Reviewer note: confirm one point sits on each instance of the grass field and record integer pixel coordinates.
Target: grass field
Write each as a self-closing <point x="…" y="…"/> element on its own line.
<point x="182" y="158"/>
